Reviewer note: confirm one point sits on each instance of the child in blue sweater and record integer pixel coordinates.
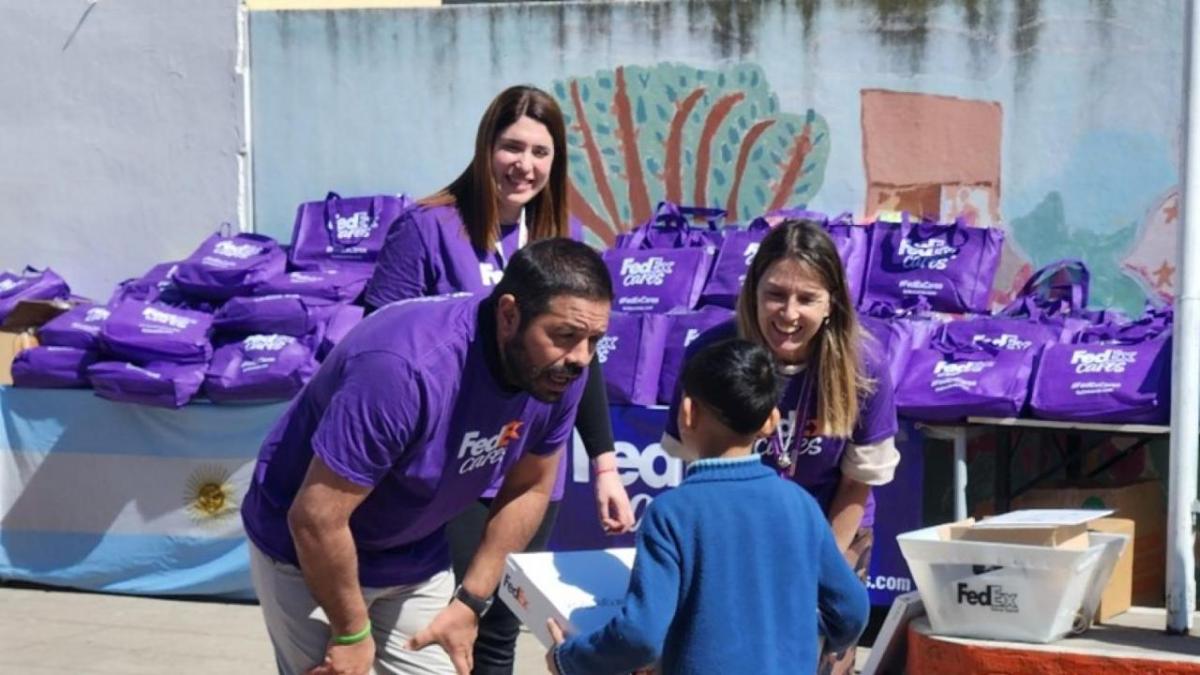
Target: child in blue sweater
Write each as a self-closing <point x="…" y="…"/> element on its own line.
<point x="737" y="570"/>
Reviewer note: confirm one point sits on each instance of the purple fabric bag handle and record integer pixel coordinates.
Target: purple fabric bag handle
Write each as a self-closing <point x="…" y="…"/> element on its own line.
<point x="1077" y="297"/>
<point x="957" y="350"/>
<point x="1134" y="332"/>
<point x="671" y="215"/>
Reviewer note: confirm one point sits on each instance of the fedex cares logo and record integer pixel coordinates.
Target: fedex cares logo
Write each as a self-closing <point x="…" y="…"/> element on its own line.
<point x="96" y="314"/>
<point x="605" y="346"/>
<point x="232" y="249"/>
<point x="477" y="452"/>
<point x="267" y="342"/>
<point x="750" y="252"/>
<point x="1006" y="341"/>
<point x="931" y="254"/>
<point x="809" y="443"/>
<point x="490" y="274"/>
<point x="1108" y="361"/>
<point x="643" y="471"/>
<point x="154" y="315"/>
<point x="354" y="226"/>
<point x="652" y="271"/>
<point x="947" y="369"/>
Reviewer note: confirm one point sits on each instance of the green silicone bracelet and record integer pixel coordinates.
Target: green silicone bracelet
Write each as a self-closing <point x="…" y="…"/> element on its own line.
<point x="353" y="638"/>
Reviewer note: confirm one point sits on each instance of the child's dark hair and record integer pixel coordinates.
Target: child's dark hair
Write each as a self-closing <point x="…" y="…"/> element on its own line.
<point x="736" y="379"/>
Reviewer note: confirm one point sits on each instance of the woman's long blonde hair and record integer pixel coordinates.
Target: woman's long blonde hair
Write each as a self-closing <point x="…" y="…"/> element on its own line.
<point x="842" y="379"/>
<point x="474" y="191"/>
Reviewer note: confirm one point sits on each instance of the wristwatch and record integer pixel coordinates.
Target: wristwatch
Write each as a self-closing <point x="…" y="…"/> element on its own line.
<point x="477" y="604"/>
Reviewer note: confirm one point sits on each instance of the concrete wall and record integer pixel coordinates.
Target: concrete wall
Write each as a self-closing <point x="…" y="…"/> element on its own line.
<point x="1055" y="119"/>
<point x="120" y="126"/>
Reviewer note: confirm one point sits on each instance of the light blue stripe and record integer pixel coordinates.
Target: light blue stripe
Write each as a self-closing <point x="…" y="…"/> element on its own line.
<point x="77" y="421"/>
<point x="134" y="564"/>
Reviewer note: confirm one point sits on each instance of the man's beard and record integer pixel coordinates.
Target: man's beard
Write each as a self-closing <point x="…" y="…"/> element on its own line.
<point x="521" y="372"/>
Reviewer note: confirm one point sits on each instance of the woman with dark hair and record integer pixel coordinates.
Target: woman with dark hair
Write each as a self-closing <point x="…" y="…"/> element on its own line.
<point x="459" y="239"/>
<point x="837" y="434"/>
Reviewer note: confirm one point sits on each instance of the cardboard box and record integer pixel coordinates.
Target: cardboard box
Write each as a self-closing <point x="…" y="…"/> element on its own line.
<point x="17" y="330"/>
<point x="581" y="590"/>
<point x="1056" y="528"/>
<point x="12" y="343"/>
<point x="1118" y="593"/>
<point x="1143" y="502"/>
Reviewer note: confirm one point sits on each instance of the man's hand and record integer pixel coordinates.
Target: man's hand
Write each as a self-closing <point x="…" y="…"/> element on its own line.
<point x="556" y="634"/>
<point x="454" y="628"/>
<point x="612" y="501"/>
<point x="355" y="659"/>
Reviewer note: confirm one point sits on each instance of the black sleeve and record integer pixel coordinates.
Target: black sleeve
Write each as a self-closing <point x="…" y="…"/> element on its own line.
<point x="592" y="420"/>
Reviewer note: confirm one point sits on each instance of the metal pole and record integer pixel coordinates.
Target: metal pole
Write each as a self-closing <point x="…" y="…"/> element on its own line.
<point x="960" y="473"/>
<point x="1185" y="364"/>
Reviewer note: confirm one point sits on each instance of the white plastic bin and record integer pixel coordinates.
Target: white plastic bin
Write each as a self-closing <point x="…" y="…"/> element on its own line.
<point x="1008" y="591"/>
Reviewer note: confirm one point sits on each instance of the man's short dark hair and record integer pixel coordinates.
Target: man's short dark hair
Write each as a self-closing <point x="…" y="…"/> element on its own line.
<point x="736" y="380"/>
<point x="551" y="267"/>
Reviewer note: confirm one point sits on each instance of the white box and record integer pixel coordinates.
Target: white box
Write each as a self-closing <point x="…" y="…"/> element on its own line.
<point x="581" y="590"/>
<point x="1004" y="591"/>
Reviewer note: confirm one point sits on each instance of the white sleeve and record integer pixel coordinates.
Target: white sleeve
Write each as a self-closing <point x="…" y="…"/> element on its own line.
<point x="873" y="464"/>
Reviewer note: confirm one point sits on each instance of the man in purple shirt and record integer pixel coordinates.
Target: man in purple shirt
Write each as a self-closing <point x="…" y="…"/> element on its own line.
<point x="408" y="421"/>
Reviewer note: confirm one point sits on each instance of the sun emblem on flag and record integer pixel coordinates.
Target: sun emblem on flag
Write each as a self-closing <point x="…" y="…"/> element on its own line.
<point x="209" y="496"/>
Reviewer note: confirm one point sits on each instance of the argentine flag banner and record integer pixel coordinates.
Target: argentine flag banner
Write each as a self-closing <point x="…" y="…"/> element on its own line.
<point x="125" y="498"/>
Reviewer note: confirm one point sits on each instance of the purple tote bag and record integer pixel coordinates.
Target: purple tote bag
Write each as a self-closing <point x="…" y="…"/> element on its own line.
<point x="853" y="244"/>
<point x="77" y="327"/>
<point x="899" y="332"/>
<point x="259" y="368"/>
<point x="344" y="232"/>
<point x="147" y="287"/>
<point x="630" y="354"/>
<point x="143" y="332"/>
<point x="225" y="266"/>
<point x="948" y="382"/>
<point x="31" y="284"/>
<point x="52" y="367"/>
<point x="953" y="266"/>
<point x="328" y="283"/>
<point x="1114" y="374"/>
<point x="682" y="328"/>
<point x="286" y="314"/>
<point x="165" y="385"/>
<point x="732" y="263"/>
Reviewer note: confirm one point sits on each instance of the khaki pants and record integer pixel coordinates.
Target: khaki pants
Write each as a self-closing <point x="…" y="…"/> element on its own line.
<point x="299" y="629"/>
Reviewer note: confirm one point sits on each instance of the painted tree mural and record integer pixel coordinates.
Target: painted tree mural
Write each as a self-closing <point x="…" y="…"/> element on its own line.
<point x="638" y="135"/>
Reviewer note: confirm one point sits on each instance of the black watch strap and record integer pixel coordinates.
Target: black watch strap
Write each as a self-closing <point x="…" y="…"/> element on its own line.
<point x="477" y="604"/>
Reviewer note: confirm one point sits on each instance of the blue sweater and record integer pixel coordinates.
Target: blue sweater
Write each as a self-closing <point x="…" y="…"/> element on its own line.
<point x="737" y="571"/>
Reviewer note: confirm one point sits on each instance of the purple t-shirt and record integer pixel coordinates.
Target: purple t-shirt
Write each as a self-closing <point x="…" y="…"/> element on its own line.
<point x="412" y="405"/>
<point x="428" y="252"/>
<point x="818" y="458"/>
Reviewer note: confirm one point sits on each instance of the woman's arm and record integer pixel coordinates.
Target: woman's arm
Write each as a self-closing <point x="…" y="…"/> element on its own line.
<point x="846" y="510"/>
<point x="402" y="269"/>
<point x="595" y="428"/>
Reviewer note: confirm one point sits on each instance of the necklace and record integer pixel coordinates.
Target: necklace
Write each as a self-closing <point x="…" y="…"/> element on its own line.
<point x="522" y="235"/>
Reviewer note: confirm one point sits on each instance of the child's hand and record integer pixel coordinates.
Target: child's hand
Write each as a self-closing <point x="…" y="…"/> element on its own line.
<point x="556" y="634"/>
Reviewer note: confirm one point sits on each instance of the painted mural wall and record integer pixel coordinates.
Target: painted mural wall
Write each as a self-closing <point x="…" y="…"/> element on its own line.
<point x="1057" y="120"/>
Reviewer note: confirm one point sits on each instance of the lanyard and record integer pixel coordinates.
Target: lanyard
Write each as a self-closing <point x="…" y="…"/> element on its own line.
<point x="787" y="452"/>
<point x="522" y="235"/>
